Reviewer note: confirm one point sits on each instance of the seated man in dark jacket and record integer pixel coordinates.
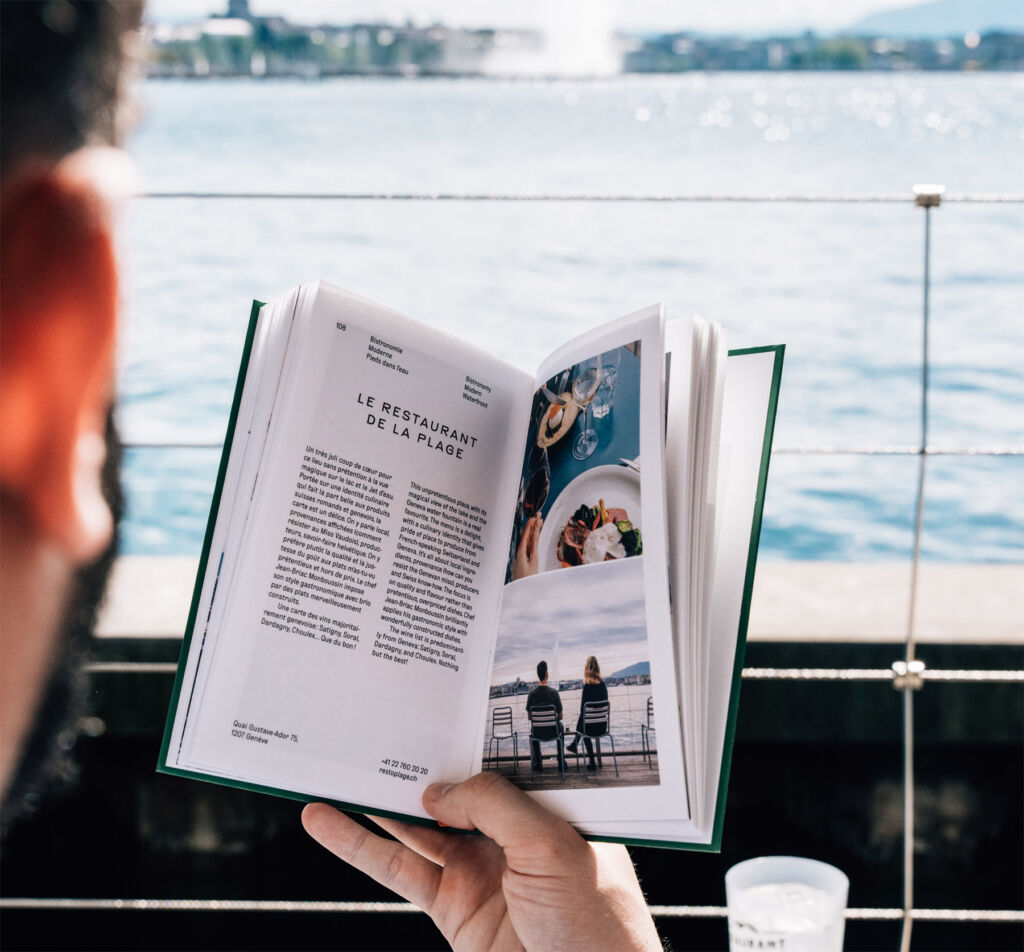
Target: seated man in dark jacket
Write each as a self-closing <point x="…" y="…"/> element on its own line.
<point x="543" y="696"/>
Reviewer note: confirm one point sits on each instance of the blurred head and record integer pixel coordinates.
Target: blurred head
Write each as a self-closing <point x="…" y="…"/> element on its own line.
<point x="542" y="671"/>
<point x="591" y="671"/>
<point x="64" y="67"/>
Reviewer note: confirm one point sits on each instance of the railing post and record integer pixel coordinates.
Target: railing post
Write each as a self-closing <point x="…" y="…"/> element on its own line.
<point x="908" y="672"/>
<point x="926" y="197"/>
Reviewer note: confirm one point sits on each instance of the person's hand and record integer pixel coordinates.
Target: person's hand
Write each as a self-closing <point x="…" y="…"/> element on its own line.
<point x="527" y="560"/>
<point x="530" y="882"/>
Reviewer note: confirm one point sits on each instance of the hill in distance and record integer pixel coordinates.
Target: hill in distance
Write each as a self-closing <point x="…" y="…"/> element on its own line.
<point x="641" y="667"/>
<point x="944" y="18"/>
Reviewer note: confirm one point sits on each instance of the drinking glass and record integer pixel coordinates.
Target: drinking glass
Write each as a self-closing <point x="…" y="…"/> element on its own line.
<point x="585" y="381"/>
<point x="786" y="902"/>
<point x="604" y="397"/>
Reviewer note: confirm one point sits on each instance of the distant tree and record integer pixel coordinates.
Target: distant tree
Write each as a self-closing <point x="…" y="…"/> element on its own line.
<point x="845" y="53"/>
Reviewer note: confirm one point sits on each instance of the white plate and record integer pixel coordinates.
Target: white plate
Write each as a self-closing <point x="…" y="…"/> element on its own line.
<point x="618" y="486"/>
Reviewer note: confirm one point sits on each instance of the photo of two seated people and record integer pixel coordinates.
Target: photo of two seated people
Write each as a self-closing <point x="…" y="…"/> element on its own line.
<point x="570" y="699"/>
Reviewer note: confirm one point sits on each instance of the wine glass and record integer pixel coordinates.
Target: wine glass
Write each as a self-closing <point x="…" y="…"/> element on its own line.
<point x="602" y="403"/>
<point x="536" y="492"/>
<point x="585" y="381"/>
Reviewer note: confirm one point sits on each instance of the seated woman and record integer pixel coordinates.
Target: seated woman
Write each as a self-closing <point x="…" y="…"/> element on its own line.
<point x="594" y="689"/>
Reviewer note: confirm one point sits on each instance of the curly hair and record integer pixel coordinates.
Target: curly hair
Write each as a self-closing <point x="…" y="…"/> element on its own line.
<point x="64" y="68"/>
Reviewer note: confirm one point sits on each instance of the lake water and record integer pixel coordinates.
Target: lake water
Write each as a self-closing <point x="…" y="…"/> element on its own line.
<point x="628" y="712"/>
<point x="840" y="284"/>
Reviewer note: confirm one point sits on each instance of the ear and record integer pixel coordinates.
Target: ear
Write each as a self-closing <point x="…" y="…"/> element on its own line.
<point x="59" y="314"/>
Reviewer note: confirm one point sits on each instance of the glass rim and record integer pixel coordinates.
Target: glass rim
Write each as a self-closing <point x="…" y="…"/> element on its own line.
<point x="840" y="879"/>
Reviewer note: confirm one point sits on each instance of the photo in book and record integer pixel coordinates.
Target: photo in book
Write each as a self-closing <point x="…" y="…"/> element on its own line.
<point x="578" y="507"/>
<point x="579" y="491"/>
<point x="565" y="619"/>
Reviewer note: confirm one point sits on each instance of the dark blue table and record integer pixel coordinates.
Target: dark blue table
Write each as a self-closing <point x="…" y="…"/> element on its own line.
<point x="618" y="434"/>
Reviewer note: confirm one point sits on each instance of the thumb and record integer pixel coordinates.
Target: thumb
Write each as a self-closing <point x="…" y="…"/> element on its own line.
<point x="491" y="804"/>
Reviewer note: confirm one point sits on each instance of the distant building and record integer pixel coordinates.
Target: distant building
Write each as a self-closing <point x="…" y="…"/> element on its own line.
<point x="512" y="688"/>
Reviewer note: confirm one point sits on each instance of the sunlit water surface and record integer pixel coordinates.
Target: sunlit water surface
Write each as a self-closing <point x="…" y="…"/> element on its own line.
<point x="840" y="284"/>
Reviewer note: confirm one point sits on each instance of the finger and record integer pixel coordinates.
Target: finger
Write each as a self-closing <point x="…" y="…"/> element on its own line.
<point x="533" y="534"/>
<point x="428" y="842"/>
<point x="491" y="804"/>
<point x="393" y="865"/>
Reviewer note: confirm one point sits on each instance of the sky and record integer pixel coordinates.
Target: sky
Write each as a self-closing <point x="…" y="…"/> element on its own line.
<point x="723" y="16"/>
<point x="563" y="616"/>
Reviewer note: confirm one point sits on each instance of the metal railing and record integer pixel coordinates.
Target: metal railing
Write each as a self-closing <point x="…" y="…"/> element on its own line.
<point x="907" y="674"/>
<point x="1003" y="916"/>
<point x="963" y="676"/>
<point x="592" y="198"/>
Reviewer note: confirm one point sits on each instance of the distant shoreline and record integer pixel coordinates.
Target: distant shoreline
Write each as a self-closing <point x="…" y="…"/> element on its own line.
<point x="554" y="78"/>
<point x="266" y="47"/>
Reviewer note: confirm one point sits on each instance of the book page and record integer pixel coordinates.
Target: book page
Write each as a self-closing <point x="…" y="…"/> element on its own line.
<point x="745" y="440"/>
<point x="585" y="630"/>
<point x="694" y="408"/>
<point x="247" y="435"/>
<point x="746" y="424"/>
<point x="350" y="650"/>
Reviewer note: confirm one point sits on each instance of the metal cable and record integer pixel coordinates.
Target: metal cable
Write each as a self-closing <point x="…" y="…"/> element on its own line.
<point x="951" y="676"/>
<point x="818" y="674"/>
<point x="209" y="905"/>
<point x="625" y="198"/>
<point x="356" y="906"/>
<point x="131" y="667"/>
<point x="778" y="450"/>
<point x="915" y="564"/>
<point x="974" y="677"/>
<point x="900" y="450"/>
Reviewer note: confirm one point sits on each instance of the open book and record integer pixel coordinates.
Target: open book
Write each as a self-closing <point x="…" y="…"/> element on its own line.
<point x="422" y="562"/>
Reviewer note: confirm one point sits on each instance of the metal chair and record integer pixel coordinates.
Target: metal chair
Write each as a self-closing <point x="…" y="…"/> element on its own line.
<point x="596" y="722"/>
<point x="646" y="729"/>
<point x="545" y="727"/>
<point x="501" y="729"/>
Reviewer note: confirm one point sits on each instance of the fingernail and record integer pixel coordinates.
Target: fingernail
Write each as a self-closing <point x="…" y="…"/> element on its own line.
<point x="440" y="789"/>
<point x="439" y="823"/>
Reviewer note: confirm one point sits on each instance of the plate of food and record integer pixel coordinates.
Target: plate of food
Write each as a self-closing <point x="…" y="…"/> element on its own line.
<point x="556" y="421"/>
<point x="596" y="518"/>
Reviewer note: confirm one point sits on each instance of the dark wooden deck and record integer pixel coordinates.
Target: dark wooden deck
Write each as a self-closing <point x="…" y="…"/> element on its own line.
<point x="633" y="771"/>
